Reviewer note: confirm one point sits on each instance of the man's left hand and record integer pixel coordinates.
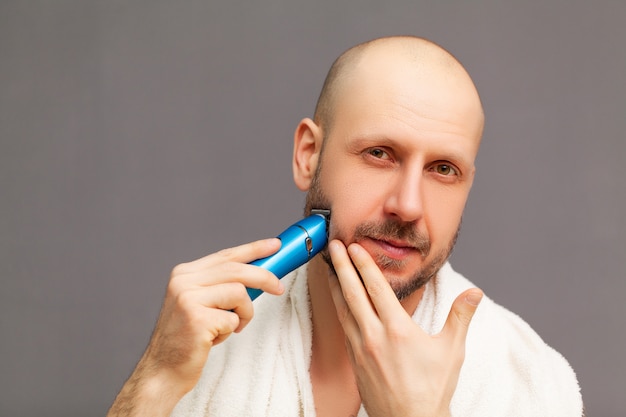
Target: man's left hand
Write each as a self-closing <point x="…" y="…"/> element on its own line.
<point x="400" y="370"/>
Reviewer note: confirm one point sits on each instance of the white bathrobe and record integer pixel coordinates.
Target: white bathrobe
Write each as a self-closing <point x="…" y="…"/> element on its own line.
<point x="263" y="371"/>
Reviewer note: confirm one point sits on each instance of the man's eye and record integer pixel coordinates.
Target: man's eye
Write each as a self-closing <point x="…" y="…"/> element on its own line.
<point x="445" y="169"/>
<point x="378" y="153"/>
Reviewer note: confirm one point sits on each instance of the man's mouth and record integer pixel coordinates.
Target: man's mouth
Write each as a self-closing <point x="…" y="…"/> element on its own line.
<point x="394" y="249"/>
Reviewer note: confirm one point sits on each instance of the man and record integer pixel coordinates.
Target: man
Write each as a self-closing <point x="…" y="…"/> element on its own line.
<point x="379" y="324"/>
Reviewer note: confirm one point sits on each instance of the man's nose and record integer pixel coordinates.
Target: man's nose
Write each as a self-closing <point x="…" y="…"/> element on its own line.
<point x="404" y="200"/>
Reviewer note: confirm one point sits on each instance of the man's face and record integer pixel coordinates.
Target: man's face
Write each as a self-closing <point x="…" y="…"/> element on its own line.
<point x="384" y="231"/>
<point x="396" y="171"/>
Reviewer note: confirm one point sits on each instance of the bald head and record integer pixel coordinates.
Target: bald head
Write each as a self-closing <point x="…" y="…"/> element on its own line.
<point x="371" y="61"/>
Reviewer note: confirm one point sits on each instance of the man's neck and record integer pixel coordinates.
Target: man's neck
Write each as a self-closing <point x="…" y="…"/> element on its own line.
<point x="328" y="336"/>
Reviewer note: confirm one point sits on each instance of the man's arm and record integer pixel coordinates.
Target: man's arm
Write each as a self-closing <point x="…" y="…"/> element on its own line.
<point x="145" y="395"/>
<point x="206" y="301"/>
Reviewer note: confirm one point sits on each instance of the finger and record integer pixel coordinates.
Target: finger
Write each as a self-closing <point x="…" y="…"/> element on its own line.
<point x="245" y="253"/>
<point x="352" y="290"/>
<point x="230" y="265"/>
<point x="346" y="319"/>
<point x="378" y="289"/>
<point x="461" y="315"/>
<point x="230" y="297"/>
<point x="221" y="324"/>
<point x="343" y="311"/>
<point x="208" y="324"/>
<point x="251" y="276"/>
<point x="233" y="296"/>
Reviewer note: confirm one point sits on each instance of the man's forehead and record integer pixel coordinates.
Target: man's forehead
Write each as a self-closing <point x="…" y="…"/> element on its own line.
<point x="396" y="85"/>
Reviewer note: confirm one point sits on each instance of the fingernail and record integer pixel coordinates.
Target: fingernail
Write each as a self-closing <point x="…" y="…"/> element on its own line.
<point x="333" y="246"/>
<point x="474" y="297"/>
<point x="354" y="249"/>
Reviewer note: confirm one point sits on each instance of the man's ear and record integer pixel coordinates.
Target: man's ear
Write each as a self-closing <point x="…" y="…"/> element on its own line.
<point x="307" y="145"/>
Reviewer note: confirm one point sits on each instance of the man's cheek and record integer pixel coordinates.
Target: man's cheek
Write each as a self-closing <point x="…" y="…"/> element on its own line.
<point x="335" y="231"/>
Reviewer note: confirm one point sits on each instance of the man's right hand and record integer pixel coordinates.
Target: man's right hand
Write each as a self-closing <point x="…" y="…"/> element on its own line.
<point x="206" y="301"/>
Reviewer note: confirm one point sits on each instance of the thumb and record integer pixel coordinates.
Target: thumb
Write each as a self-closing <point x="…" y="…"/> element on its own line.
<point x="461" y="313"/>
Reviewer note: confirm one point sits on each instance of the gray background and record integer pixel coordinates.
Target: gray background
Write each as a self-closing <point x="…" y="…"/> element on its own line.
<point x="137" y="135"/>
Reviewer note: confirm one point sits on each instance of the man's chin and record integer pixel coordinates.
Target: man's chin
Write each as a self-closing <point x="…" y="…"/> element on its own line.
<point x="418" y="278"/>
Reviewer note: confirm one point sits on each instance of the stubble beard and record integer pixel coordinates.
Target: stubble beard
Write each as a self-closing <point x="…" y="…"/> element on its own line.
<point x="387" y="230"/>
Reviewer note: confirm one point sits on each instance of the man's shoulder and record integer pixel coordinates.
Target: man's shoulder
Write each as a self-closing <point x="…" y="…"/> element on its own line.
<point x="509" y="362"/>
<point x="496" y="328"/>
<point x="491" y="318"/>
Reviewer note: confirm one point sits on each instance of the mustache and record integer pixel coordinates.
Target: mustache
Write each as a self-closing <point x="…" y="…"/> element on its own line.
<point x="393" y="231"/>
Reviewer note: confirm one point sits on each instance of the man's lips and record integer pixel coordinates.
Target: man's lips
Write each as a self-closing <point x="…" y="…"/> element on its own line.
<point x="393" y="249"/>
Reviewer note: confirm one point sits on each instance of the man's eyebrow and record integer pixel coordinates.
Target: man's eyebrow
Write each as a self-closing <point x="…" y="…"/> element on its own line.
<point x="453" y="154"/>
<point x="374" y="140"/>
